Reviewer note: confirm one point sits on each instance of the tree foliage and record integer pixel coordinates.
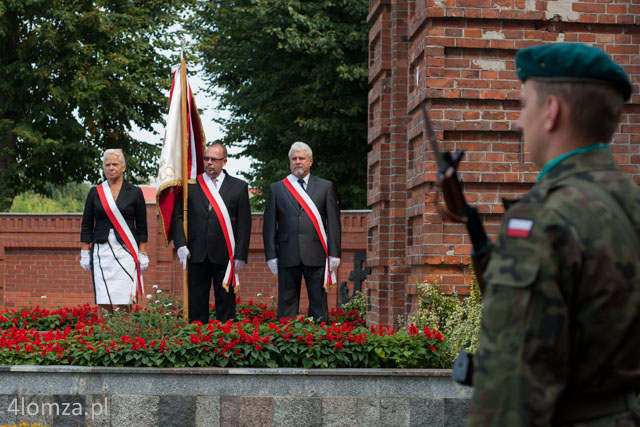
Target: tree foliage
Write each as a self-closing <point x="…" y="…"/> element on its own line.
<point x="62" y="198"/>
<point x="291" y="70"/>
<point x="76" y="76"/>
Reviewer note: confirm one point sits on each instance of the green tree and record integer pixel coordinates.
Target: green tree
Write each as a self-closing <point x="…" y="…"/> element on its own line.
<point x="76" y="76"/>
<point x="63" y="198"/>
<point x="291" y="70"/>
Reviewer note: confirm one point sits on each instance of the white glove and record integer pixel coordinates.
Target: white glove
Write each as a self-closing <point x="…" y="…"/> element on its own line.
<point x="143" y="259"/>
<point x="273" y="265"/>
<point x="334" y="263"/>
<point x="238" y="264"/>
<point x="184" y="255"/>
<point x="85" y="259"/>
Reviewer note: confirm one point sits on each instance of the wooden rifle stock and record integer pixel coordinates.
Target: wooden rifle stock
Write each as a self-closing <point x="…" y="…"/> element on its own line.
<point x="452" y="189"/>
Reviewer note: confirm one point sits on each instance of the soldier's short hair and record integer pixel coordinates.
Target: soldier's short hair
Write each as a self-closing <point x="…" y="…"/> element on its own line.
<point x="594" y="109"/>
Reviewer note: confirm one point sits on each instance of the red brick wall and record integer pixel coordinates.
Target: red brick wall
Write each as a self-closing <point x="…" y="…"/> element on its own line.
<point x="456" y="56"/>
<point x="40" y="256"/>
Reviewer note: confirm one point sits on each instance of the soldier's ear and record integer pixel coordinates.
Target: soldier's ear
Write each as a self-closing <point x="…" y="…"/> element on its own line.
<point x="553" y="109"/>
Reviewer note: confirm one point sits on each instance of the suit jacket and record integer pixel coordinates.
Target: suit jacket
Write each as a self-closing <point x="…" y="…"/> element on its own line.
<point x="205" y="232"/>
<point x="289" y="234"/>
<point x="131" y="204"/>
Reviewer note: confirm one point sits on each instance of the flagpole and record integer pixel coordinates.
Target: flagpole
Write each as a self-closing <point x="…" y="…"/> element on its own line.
<point x="185" y="175"/>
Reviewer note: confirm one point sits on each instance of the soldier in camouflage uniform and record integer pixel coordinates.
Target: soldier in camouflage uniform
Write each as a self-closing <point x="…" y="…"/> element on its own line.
<point x="560" y="340"/>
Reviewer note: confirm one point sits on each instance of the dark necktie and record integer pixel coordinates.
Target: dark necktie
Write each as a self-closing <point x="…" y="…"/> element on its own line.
<point x="301" y="182"/>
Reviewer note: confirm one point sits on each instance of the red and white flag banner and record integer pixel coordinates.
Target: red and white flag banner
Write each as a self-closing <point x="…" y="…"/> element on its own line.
<point x="121" y="227"/>
<point x="169" y="187"/>
<point x="291" y="183"/>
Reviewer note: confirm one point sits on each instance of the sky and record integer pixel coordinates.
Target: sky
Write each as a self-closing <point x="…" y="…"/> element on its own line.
<point x="212" y="131"/>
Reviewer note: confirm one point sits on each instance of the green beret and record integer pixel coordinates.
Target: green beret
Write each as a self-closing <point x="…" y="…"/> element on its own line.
<point x="571" y="62"/>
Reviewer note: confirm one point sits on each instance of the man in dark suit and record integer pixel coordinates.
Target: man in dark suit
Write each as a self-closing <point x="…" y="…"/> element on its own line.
<point x="206" y="248"/>
<point x="295" y="247"/>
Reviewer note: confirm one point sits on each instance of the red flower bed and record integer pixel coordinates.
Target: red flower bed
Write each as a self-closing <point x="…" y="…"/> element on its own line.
<point x="156" y="336"/>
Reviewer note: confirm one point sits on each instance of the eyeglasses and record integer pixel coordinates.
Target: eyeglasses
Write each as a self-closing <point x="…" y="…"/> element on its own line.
<point x="212" y="159"/>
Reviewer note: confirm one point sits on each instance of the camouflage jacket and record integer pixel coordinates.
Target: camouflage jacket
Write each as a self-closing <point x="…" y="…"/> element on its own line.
<point x="561" y="315"/>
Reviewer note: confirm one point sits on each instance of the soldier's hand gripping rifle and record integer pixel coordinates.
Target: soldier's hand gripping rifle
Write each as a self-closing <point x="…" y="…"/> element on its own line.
<point x="457" y="209"/>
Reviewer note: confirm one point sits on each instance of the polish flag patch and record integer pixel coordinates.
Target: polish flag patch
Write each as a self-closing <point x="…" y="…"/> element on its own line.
<point x="520" y="228"/>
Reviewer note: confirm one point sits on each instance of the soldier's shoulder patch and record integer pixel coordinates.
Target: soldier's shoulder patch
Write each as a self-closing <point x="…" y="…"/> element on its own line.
<point x="519" y="227"/>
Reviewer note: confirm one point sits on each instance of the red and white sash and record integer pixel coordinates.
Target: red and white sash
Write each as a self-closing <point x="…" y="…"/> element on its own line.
<point x="291" y="183"/>
<point x="210" y="190"/>
<point x="121" y="227"/>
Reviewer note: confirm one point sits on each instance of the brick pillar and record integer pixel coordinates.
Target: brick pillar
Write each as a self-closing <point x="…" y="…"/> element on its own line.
<point x="387" y="163"/>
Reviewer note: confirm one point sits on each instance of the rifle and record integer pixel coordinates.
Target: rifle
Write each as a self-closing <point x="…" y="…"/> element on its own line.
<point x="458" y="210"/>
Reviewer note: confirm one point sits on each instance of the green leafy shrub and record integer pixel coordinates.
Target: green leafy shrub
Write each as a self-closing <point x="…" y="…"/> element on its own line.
<point x="357" y="303"/>
<point x="162" y="317"/>
<point x="457" y="318"/>
<point x="57" y="198"/>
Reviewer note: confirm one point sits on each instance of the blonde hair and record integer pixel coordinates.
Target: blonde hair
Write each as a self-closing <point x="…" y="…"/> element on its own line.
<point x="114" y="152"/>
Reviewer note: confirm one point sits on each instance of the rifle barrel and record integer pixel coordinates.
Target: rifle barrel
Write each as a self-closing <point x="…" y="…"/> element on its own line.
<point x="431" y="135"/>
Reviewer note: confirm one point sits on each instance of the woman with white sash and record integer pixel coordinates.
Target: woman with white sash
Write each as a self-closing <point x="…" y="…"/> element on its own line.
<point x="114" y="237"/>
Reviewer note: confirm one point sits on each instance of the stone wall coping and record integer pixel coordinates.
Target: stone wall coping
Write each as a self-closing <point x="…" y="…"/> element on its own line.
<point x="247" y="382"/>
<point x="227" y="371"/>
